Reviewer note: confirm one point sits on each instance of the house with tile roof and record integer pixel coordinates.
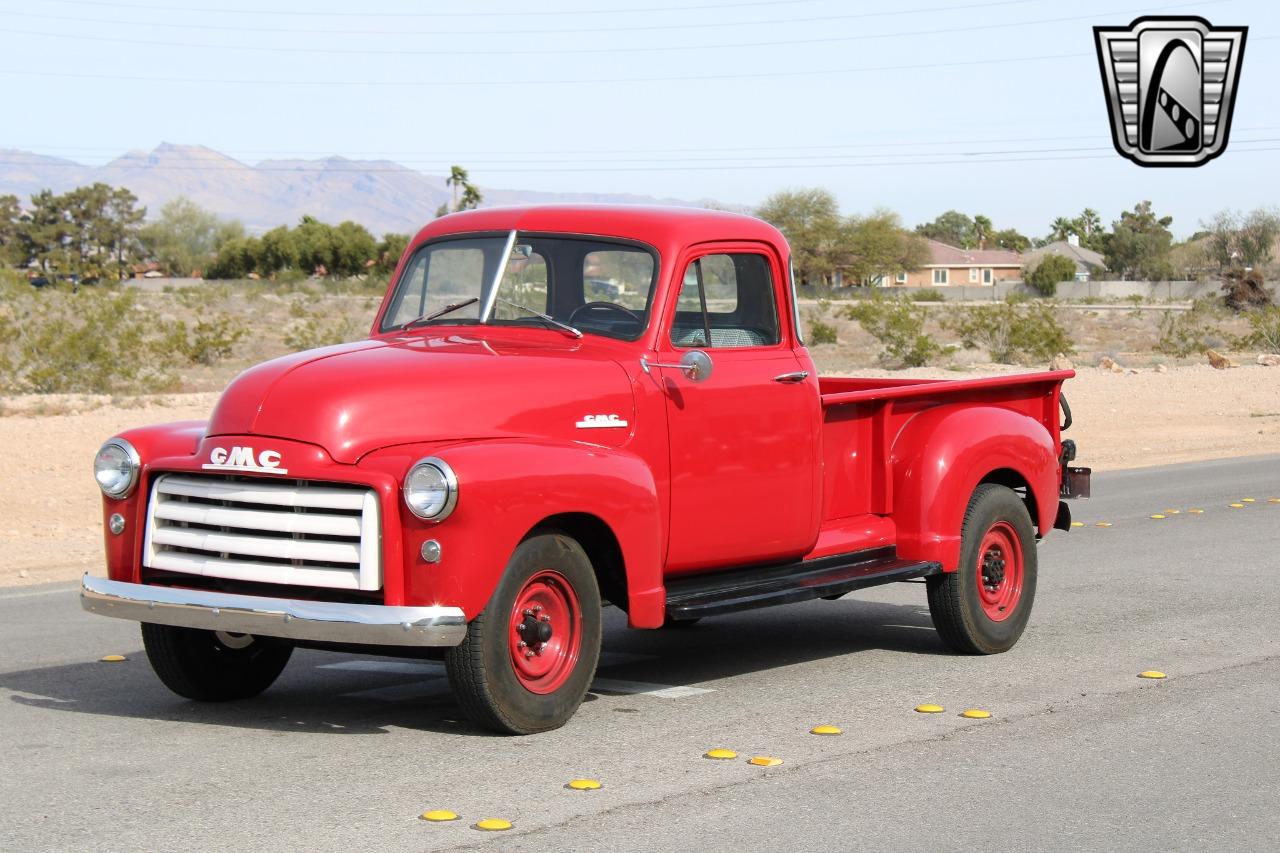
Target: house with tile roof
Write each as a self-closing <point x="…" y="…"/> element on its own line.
<point x="1090" y="265"/>
<point x="949" y="265"/>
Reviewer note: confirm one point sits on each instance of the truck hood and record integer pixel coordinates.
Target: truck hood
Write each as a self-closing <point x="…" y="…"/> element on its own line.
<point x="355" y="398"/>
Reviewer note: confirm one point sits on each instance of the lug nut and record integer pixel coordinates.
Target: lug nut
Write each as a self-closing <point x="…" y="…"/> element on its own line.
<point x="522" y="644"/>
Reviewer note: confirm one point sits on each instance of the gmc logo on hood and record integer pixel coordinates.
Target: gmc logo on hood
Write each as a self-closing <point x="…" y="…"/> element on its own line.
<point x="243" y="459"/>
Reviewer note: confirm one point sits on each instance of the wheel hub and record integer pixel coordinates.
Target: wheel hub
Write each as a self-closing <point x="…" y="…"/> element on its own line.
<point x="993" y="565"/>
<point x="1000" y="571"/>
<point x="545" y="633"/>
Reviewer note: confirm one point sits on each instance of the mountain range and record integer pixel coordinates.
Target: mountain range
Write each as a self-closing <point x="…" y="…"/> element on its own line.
<point x="379" y="194"/>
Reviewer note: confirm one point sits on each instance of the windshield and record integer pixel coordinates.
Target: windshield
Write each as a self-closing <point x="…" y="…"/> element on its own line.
<point x="596" y="286"/>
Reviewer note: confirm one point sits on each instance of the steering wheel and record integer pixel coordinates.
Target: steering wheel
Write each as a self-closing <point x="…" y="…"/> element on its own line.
<point x="605" y="306"/>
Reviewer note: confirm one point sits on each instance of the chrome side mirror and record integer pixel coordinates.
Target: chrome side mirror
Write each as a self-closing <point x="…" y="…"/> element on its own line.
<point x="696" y="365"/>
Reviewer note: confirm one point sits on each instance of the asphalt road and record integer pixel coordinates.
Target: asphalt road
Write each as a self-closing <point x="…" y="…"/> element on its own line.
<point x="344" y="753"/>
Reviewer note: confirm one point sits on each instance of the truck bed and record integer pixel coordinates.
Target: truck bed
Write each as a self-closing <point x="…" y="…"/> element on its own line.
<point x="862" y="420"/>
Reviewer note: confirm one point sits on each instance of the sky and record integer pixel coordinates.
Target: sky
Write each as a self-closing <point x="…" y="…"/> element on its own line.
<point x="990" y="107"/>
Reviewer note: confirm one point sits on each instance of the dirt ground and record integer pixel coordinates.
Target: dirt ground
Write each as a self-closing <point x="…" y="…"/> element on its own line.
<point x="51" y="527"/>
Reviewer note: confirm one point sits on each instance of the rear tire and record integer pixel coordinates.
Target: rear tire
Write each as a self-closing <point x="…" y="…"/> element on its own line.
<point x="535" y="687"/>
<point x="983" y="606"/>
<point x="210" y="666"/>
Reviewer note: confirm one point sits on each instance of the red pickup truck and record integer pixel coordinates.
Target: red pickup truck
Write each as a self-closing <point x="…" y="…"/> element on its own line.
<point x="559" y="407"/>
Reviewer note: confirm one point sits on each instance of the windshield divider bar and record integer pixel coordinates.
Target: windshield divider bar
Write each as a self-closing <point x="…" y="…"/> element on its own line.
<point x="492" y="297"/>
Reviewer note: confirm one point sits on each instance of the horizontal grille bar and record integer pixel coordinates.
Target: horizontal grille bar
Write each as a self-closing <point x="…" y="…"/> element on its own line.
<point x="268" y="531"/>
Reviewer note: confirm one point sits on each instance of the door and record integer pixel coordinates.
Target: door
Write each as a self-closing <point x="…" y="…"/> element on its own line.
<point x="744" y="441"/>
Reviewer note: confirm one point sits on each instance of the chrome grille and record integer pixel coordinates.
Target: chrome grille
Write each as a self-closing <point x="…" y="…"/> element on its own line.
<point x="270" y="531"/>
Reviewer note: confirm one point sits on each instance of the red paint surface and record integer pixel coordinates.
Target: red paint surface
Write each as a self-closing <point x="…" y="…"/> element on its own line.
<point x="734" y="470"/>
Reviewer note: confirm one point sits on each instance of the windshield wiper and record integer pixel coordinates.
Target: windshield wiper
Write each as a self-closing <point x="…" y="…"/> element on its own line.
<point x="564" y="327"/>
<point x="448" y="309"/>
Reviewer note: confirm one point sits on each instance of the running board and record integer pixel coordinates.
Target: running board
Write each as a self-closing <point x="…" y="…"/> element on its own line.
<point x="732" y="590"/>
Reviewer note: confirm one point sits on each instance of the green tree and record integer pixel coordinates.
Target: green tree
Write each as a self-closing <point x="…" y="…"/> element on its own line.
<point x="1242" y="240"/>
<point x="1140" y="243"/>
<point x="1051" y="270"/>
<point x="186" y="237"/>
<point x="953" y="228"/>
<point x="1009" y="238"/>
<point x="877" y="245"/>
<point x="810" y="220"/>
<point x="1060" y="229"/>
<point x="389" y="251"/>
<point x="11" y="250"/>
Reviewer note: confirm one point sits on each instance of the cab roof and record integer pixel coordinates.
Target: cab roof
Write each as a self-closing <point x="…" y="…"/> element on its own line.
<point x="661" y="227"/>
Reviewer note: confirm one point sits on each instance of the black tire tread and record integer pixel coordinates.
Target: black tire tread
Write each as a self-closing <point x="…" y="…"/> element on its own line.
<point x="179" y="657"/>
<point x="948" y="605"/>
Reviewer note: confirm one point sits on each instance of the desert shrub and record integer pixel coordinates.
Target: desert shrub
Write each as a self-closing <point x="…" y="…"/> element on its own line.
<point x="207" y="341"/>
<point x="1051" y="270"/>
<point x="1244" y="289"/>
<point x="309" y="330"/>
<point x="1011" y="332"/>
<point x="925" y="294"/>
<point x="821" y="333"/>
<point x="899" y="326"/>
<point x="1265" y="330"/>
<point x="1192" y="331"/>
<point x="99" y="340"/>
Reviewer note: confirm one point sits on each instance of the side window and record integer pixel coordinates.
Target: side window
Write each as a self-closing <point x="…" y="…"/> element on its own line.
<point x="727" y="300"/>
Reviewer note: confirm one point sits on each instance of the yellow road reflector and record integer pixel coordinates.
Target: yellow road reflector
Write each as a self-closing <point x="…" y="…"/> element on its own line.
<point x="1171" y="512"/>
<point x="1157" y="515"/>
<point x="112" y="658"/>
<point x="825" y="730"/>
<point x="765" y="761"/>
<point x="975" y="714"/>
<point x="1077" y="524"/>
<point x="583" y="785"/>
<point x="721" y="754"/>
<point x="1249" y="500"/>
<point x="438" y="815"/>
<point x="1103" y="524"/>
<point x="1196" y="511"/>
<point x="1236" y="506"/>
<point x="1273" y="500"/>
<point x="930" y="709"/>
<point x="493" y="824"/>
<point x="1151" y="673"/>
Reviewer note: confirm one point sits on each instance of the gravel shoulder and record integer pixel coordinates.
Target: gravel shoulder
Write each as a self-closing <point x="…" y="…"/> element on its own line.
<point x="51" y="527"/>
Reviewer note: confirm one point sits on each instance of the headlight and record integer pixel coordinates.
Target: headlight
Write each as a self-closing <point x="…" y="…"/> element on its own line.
<point x="431" y="489"/>
<point x="116" y="468"/>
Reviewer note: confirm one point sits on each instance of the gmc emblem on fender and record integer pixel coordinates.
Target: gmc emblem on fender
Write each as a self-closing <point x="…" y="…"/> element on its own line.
<point x="600" y="422"/>
<point x="243" y="459"/>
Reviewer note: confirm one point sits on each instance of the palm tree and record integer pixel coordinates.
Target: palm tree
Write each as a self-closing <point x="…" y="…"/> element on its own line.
<point x="1060" y="228"/>
<point x="1090" y="222"/>
<point x="982" y="229"/>
<point x="457" y="179"/>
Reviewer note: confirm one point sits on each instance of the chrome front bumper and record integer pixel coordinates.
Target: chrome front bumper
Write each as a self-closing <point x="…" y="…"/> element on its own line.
<point x="318" y="621"/>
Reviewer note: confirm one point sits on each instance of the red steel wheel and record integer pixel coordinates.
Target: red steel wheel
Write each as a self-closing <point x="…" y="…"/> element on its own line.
<point x="545" y="632"/>
<point x="1001" y="567"/>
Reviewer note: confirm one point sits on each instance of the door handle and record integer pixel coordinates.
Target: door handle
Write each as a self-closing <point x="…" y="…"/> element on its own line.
<point x="792" y="378"/>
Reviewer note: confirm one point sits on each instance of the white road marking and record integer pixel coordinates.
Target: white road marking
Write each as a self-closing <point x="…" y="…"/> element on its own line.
<point x="431" y="682"/>
<point x="642" y="688"/>
<point x="395" y="667"/>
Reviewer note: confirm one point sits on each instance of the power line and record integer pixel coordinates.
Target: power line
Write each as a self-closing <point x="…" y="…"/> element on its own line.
<point x="807" y="42"/>
<point x="750" y="75"/>
<point x="539" y="13"/>
<point x="970" y="158"/>
<point x="293" y="30"/>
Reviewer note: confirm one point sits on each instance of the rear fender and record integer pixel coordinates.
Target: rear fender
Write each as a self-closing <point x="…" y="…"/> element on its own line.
<point x="506" y="488"/>
<point x="941" y="456"/>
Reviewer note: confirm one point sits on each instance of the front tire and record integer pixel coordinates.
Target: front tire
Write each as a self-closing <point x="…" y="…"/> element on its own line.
<point x="213" y="666"/>
<point x="530" y="655"/>
<point x="983" y="606"/>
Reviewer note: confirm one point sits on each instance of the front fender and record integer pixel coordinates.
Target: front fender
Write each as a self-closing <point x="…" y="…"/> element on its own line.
<point x="941" y="456"/>
<point x="505" y="488"/>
